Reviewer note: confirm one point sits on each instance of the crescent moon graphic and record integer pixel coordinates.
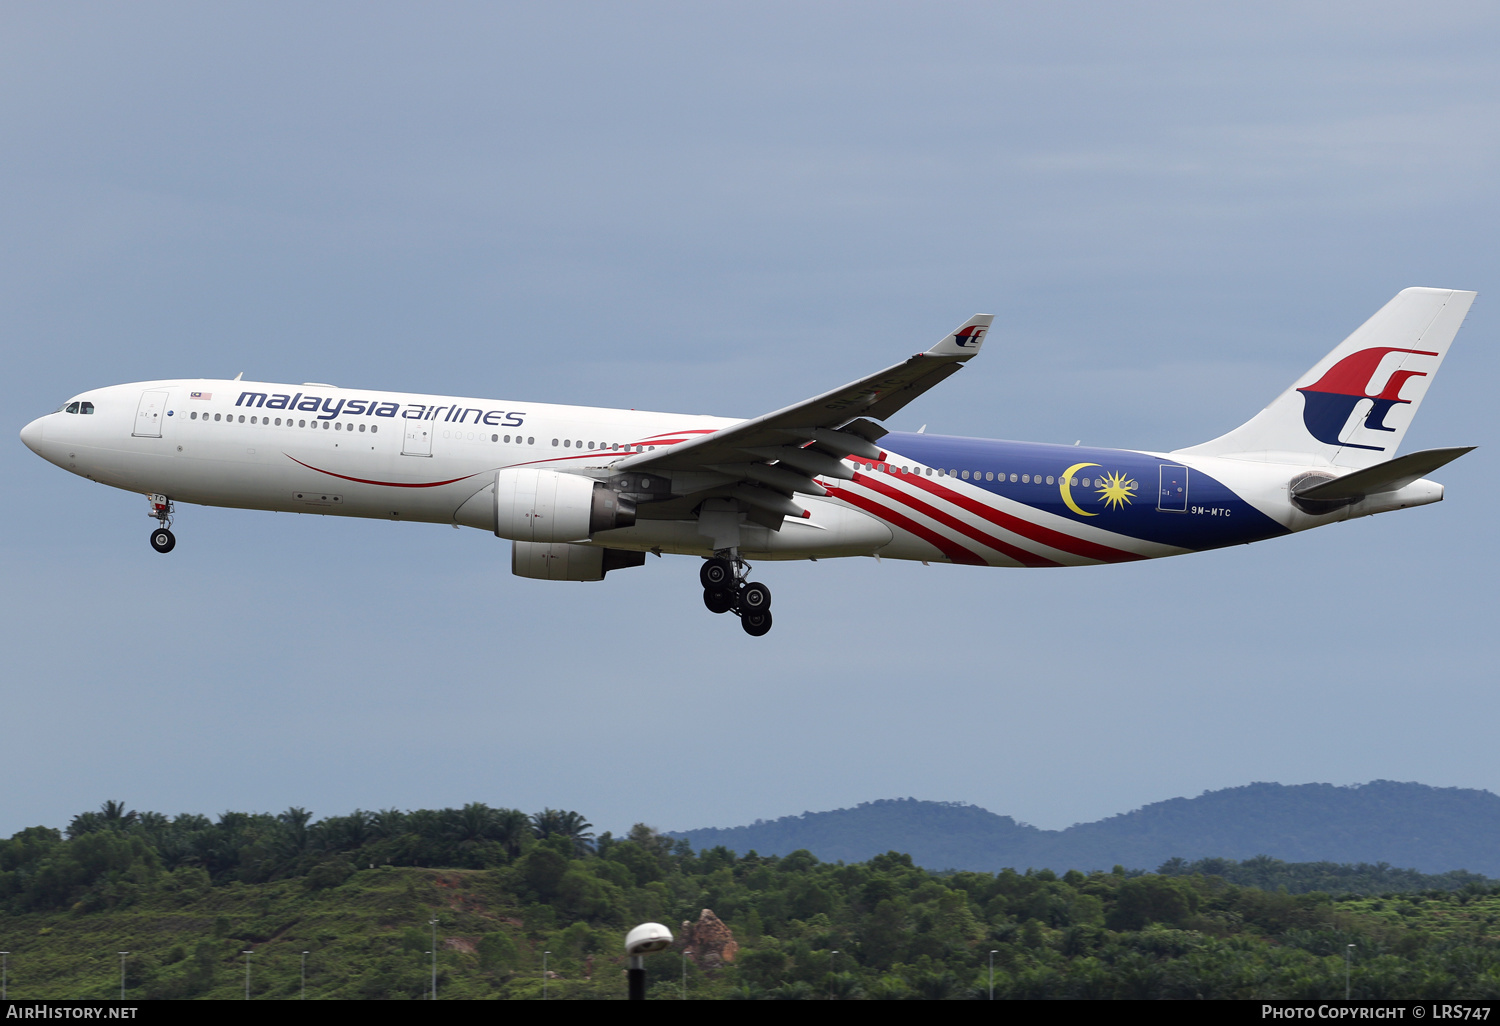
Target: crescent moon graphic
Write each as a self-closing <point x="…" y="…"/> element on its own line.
<point x="1067" y="496"/>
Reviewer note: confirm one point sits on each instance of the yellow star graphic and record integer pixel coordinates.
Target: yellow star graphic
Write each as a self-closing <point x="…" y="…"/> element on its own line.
<point x="1116" y="490"/>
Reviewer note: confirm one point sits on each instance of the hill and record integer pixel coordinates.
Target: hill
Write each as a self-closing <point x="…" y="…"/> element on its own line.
<point x="498" y="904"/>
<point x="1431" y="829"/>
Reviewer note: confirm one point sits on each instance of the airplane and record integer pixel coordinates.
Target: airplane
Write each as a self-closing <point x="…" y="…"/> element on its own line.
<point x="583" y="491"/>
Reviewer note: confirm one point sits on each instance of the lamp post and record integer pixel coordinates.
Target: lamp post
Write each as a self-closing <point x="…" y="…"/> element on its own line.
<point x="544" y="974"/>
<point x="1348" y="958"/>
<point x="304" y="976"/>
<point x="992" y="975"/>
<point x="830" y="974"/>
<point x="4" y="975"/>
<point x="122" y="974"/>
<point x="684" y="972"/>
<point x="247" y="955"/>
<point x="640" y="942"/>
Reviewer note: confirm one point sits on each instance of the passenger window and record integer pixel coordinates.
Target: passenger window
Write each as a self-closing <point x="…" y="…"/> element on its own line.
<point x="567" y="442"/>
<point x="361" y="429"/>
<point x="216" y="416"/>
<point x="193" y="415"/>
<point x="374" y="428"/>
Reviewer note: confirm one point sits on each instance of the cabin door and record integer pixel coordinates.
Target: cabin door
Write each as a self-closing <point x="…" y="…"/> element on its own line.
<point x="149" y="414"/>
<point x="1173" y="488"/>
<point x="418" y="439"/>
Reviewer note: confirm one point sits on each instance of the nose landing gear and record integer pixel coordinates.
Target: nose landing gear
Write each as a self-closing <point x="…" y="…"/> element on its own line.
<point x="725" y="590"/>
<point x="162" y="538"/>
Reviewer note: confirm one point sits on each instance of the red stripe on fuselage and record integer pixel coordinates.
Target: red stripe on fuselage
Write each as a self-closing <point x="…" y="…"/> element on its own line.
<point x="948" y="520"/>
<point x="951" y="549"/>
<point x="387" y="484"/>
<point x="685" y="431"/>
<point x="1026" y="529"/>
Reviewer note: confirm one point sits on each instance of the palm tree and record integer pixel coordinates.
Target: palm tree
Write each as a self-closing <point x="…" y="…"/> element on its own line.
<point x="115" y="817"/>
<point x="345" y="833"/>
<point x="388" y="823"/>
<point x="511" y="827"/>
<point x="470" y="825"/>
<point x="557" y="823"/>
<point x="111" y="816"/>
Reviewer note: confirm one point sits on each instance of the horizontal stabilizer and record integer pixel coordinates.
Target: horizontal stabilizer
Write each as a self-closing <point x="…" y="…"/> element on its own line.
<point x="1383" y="477"/>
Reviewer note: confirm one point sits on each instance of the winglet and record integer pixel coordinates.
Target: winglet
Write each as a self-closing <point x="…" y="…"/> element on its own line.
<point x="966" y="339"/>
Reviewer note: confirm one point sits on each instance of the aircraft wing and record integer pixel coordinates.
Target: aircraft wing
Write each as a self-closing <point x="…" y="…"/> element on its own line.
<point x="765" y="460"/>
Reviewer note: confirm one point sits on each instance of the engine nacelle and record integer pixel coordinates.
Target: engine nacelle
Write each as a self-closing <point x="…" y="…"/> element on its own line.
<point x="563" y="561"/>
<point x="546" y="507"/>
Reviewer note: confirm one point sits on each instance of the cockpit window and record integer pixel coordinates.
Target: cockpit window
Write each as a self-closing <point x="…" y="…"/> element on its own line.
<point x="85" y="407"/>
<point x="71" y="408"/>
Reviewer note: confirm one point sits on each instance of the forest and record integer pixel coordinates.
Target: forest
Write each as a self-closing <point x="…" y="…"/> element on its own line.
<point x="525" y="906"/>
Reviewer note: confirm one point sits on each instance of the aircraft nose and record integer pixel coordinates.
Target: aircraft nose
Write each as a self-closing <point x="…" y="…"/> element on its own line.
<point x="32" y="435"/>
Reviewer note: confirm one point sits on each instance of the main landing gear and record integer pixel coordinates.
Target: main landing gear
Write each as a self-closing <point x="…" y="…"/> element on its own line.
<point x="162" y="538"/>
<point x="725" y="590"/>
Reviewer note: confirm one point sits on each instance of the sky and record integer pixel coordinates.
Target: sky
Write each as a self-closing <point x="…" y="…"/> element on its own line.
<point x="1173" y="210"/>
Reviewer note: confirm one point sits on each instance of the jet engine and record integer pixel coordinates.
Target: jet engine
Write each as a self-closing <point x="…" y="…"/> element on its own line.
<point x="544" y="506"/>
<point x="564" y="561"/>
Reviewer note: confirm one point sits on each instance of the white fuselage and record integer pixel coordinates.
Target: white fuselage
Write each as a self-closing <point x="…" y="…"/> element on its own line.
<point x="397" y="456"/>
<point x="386" y="455"/>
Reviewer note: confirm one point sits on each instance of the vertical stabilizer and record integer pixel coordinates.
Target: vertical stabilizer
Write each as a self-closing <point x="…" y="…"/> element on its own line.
<point x="1353" y="407"/>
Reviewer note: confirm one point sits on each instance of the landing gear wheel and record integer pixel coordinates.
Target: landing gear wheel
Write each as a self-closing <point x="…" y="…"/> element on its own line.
<point x="162" y="540"/>
<point x="716" y="573"/>
<point x="754" y="597"/>
<point x="718" y="600"/>
<point x="756" y="623"/>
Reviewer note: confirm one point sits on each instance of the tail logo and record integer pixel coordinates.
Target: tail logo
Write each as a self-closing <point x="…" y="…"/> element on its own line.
<point x="1330" y="400"/>
<point x="970" y="337"/>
